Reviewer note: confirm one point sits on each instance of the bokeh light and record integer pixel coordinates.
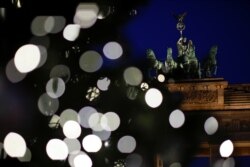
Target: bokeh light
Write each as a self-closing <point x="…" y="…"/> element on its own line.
<point x="126" y="144"/>
<point x="37" y="26"/>
<point x="2" y="14"/>
<point x="110" y="121"/>
<point x="133" y="76"/>
<point x="14" y="145"/>
<point x="133" y="160"/>
<point x="218" y="163"/>
<point x="92" y="143"/>
<point x="84" y="115"/>
<point x="43" y="55"/>
<point x="74" y="145"/>
<point x="27" y="58"/>
<point x="72" y="129"/>
<point x="54" y="24"/>
<point x="144" y="86"/>
<point x="229" y="162"/>
<point x="226" y="148"/>
<point x="67" y="115"/>
<point x="161" y="78"/>
<point x="3" y="154"/>
<point x="103" y="135"/>
<point x="132" y="92"/>
<point x="95" y="121"/>
<point x="153" y="97"/>
<point x="54" y="121"/>
<point x="82" y="160"/>
<point x="60" y="71"/>
<point x="86" y="14"/>
<point x="47" y="105"/>
<point x="112" y="50"/>
<point x="92" y="93"/>
<point x="211" y="125"/>
<point x="176" y="118"/>
<point x="175" y="164"/>
<point x="57" y="149"/>
<point x="55" y="87"/>
<point x="12" y="73"/>
<point x="90" y="61"/>
<point x="103" y="83"/>
<point x="104" y="12"/>
<point x="27" y="156"/>
<point x="71" y="32"/>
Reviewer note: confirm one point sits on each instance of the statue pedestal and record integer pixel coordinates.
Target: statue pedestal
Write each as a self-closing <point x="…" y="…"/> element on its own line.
<point x="200" y="94"/>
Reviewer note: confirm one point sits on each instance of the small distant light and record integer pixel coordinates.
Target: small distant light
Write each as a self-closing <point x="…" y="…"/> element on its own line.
<point x="72" y="129"/>
<point x="161" y="78"/>
<point x="47" y="105"/>
<point x="90" y="61"/>
<point x="112" y="50"/>
<point x="133" y="76"/>
<point x="82" y="160"/>
<point x="211" y="125"/>
<point x="144" y="86"/>
<point x="103" y="83"/>
<point x="106" y="143"/>
<point x="126" y="144"/>
<point x="57" y="149"/>
<point x="71" y="32"/>
<point x="92" y="93"/>
<point x="14" y="145"/>
<point x="27" y="58"/>
<point x="226" y="148"/>
<point x="133" y="12"/>
<point x="153" y="98"/>
<point x="92" y="143"/>
<point x="55" y="87"/>
<point x="176" y="118"/>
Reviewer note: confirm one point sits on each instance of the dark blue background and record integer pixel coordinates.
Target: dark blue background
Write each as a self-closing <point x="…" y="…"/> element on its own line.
<point x="208" y="22"/>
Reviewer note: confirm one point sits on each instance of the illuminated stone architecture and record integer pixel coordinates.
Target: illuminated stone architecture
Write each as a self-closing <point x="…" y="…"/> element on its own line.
<point x="228" y="103"/>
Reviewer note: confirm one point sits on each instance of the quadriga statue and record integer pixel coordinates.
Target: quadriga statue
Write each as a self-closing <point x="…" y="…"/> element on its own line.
<point x="209" y="64"/>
